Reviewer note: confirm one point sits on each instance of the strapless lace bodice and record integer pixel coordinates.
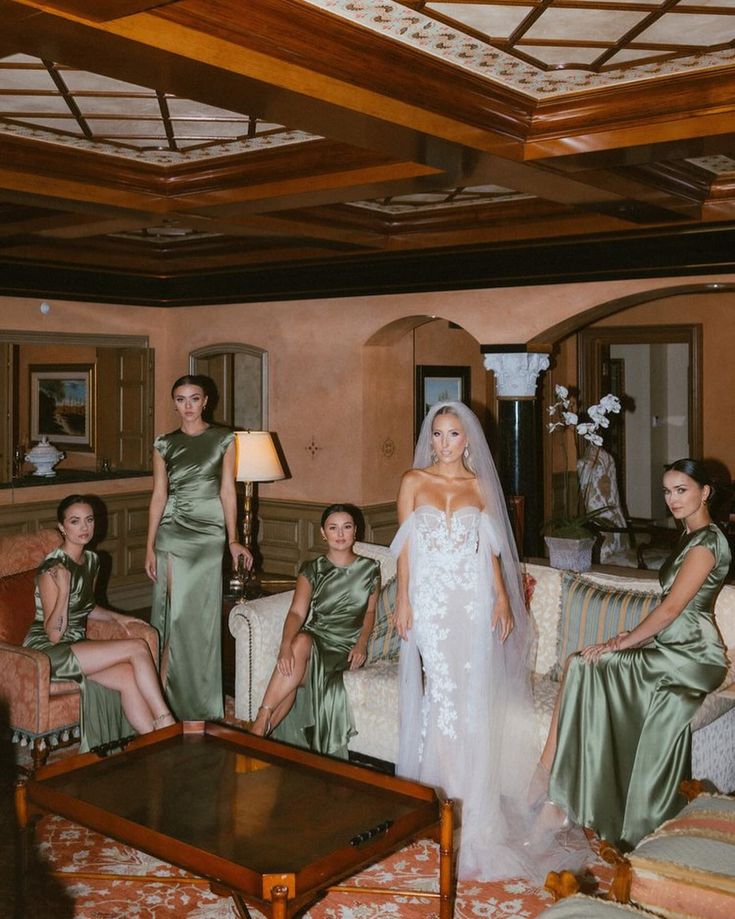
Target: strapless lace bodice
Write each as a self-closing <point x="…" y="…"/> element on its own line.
<point x="441" y="534"/>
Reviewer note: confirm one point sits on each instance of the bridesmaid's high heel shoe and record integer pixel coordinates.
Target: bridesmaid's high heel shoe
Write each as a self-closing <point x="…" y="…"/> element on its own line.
<point x="268" y="727"/>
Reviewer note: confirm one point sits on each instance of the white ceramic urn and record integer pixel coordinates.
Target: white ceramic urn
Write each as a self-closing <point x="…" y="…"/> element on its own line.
<point x="44" y="456"/>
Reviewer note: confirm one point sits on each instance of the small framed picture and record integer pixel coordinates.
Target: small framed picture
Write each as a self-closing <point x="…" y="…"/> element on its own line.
<point x="439" y="384"/>
<point x="62" y="404"/>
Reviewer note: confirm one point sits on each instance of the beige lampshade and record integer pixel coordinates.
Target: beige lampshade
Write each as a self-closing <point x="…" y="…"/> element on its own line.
<point x="256" y="459"/>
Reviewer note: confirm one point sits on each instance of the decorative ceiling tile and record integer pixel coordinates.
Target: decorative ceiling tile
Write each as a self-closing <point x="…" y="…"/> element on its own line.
<point x="561" y="21"/>
<point x="495" y="21"/>
<point x="691" y="30"/>
<point x="480" y="195"/>
<point x="111" y="117"/>
<point x="580" y="25"/>
<point x="719" y="165"/>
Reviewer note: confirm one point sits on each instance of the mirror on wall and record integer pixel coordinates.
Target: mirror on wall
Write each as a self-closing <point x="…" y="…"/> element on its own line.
<point x="91" y="396"/>
<point x="240" y="374"/>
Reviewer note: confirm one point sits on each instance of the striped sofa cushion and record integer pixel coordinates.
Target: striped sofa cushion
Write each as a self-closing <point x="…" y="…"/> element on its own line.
<point x="686" y="868"/>
<point x="581" y="906"/>
<point x="591" y="614"/>
<point x="385" y="643"/>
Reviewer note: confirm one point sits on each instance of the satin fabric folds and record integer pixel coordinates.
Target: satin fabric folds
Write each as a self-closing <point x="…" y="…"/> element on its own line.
<point x="321" y="718"/>
<point x="101" y="715"/>
<point x="624" y="742"/>
<point x="187" y="610"/>
<point x="466" y="716"/>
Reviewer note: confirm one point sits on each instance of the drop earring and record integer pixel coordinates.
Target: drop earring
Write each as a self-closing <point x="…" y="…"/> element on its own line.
<point x="434" y="457"/>
<point x="466" y="452"/>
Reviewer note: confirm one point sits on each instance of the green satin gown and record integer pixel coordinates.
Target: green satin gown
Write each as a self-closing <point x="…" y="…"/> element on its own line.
<point x="321" y="718"/>
<point x="624" y="740"/>
<point x="191" y="535"/>
<point x="101" y="715"/>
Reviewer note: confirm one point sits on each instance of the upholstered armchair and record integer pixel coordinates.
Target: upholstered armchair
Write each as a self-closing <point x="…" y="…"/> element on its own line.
<point x="41" y="713"/>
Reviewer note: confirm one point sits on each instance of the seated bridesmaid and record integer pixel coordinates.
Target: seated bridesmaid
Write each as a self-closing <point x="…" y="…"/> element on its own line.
<point x="119" y="683"/>
<point x="326" y="632"/>
<point x="620" y="739"/>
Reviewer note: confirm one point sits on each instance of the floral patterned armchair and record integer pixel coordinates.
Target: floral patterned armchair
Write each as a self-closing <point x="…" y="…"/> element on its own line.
<point x="41" y="713"/>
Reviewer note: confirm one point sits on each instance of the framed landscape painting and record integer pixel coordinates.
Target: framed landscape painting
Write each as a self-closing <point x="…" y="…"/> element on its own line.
<point x="439" y="384"/>
<point x="62" y="404"/>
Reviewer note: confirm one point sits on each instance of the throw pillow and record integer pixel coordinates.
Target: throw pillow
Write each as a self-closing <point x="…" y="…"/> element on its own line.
<point x="592" y="613"/>
<point x="17" y="605"/>
<point x="687" y="866"/>
<point x="385" y="643"/>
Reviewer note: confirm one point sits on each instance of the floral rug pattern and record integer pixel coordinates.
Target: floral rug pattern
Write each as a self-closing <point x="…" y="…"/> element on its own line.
<point x="96" y="878"/>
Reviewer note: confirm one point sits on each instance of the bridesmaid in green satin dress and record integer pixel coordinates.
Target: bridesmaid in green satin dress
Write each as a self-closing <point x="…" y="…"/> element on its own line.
<point x="118" y="679"/>
<point x="623" y="743"/>
<point x="326" y="632"/>
<point x="193" y="506"/>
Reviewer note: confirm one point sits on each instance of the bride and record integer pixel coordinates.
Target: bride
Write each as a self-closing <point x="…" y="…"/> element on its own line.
<point x="466" y="716"/>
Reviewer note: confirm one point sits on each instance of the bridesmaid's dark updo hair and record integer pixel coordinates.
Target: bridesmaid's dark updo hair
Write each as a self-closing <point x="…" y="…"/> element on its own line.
<point x="191" y="379"/>
<point x="67" y="502"/>
<point x="697" y="470"/>
<point x="349" y="509"/>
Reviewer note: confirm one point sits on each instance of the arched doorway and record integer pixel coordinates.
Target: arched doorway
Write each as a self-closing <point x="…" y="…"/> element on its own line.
<point x="240" y="374"/>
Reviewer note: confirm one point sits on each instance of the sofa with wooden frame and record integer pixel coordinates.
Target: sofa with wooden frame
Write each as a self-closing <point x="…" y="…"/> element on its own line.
<point x="553" y="598"/>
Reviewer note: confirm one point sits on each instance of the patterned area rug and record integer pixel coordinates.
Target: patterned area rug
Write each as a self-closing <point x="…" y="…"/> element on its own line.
<point x="80" y="862"/>
<point x="76" y="873"/>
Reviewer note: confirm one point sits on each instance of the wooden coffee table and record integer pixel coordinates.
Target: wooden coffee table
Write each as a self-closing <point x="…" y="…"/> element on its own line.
<point x="261" y="821"/>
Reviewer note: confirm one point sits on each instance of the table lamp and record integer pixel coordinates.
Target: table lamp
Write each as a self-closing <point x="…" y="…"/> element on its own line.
<point x="256" y="460"/>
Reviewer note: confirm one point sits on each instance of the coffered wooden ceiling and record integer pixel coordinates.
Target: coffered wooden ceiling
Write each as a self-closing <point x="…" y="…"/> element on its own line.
<point x="207" y="150"/>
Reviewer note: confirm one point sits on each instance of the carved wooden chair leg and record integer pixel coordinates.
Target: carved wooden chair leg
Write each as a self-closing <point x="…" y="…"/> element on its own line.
<point x="39" y="753"/>
<point x="620" y="886"/>
<point x="561" y="884"/>
<point x="692" y="788"/>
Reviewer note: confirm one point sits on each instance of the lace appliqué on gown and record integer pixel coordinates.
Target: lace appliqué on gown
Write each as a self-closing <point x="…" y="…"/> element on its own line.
<point x="444" y="606"/>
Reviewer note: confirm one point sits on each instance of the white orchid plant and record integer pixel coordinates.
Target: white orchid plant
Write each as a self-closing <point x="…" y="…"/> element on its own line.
<point x="565" y="414"/>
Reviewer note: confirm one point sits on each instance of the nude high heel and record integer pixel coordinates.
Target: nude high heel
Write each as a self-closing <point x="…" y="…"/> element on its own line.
<point x="268" y="726"/>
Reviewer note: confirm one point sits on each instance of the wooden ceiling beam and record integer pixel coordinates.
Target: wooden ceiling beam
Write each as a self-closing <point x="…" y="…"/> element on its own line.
<point x="259" y="225"/>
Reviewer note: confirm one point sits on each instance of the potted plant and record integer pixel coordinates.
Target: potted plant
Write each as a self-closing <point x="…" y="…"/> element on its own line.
<point x="571" y="536"/>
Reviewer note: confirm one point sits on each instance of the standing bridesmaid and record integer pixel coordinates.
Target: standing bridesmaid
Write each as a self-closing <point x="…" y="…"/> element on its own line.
<point x="193" y="506"/>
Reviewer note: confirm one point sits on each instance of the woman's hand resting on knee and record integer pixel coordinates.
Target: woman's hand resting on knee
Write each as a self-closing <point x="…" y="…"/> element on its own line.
<point x="358" y="655"/>
<point x="286" y="660"/>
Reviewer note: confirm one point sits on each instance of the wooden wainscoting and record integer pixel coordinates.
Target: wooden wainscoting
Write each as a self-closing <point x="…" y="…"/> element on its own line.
<point x="288" y="531"/>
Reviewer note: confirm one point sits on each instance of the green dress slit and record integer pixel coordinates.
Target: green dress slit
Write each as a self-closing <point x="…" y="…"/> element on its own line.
<point x="624" y="739"/>
<point x="187" y="611"/>
<point x="102" y="720"/>
<point x="321" y="719"/>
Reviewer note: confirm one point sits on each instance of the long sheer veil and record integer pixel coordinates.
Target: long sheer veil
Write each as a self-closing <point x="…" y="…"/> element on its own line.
<point x="502" y="744"/>
<point x="480" y="462"/>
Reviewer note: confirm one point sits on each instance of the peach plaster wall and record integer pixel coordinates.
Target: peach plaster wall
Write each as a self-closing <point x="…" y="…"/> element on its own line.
<point x="317" y="354"/>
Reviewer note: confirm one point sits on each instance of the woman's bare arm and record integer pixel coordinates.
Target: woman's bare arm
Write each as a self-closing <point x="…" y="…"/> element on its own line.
<point x="53" y="587"/>
<point x="502" y="616"/>
<point x="155" y="512"/>
<point x="697" y="564"/>
<point x="228" y="497"/>
<point x="405" y="502"/>
<point x="295" y="618"/>
<point x="358" y="654"/>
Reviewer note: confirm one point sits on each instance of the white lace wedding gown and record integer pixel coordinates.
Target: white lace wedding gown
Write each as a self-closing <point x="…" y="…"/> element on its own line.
<point x="466" y="724"/>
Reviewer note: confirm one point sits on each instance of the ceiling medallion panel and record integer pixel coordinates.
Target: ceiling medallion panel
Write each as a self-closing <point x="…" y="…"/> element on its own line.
<point x="442" y="199"/>
<point x="559" y="46"/>
<point x="48" y="102"/>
